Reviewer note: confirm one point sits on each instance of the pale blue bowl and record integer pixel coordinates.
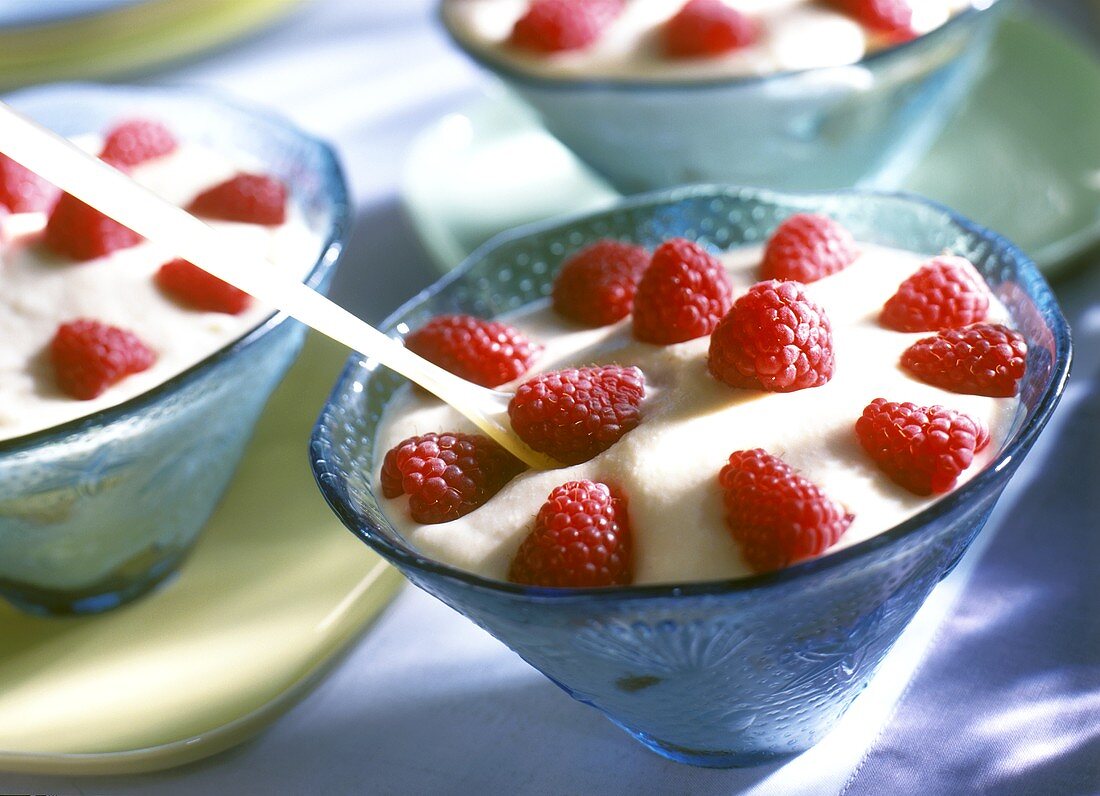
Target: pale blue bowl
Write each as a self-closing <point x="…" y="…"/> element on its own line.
<point x="724" y="673"/>
<point x="98" y="511"/>
<point x="863" y="125"/>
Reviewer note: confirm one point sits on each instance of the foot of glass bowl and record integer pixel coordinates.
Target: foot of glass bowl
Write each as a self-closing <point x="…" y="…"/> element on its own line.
<point x="121" y="587"/>
<point x="708" y="758"/>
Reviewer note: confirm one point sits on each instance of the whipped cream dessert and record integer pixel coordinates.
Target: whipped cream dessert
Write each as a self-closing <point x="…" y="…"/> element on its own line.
<point x="667" y="467"/>
<point x="40" y="290"/>
<point x="790" y="35"/>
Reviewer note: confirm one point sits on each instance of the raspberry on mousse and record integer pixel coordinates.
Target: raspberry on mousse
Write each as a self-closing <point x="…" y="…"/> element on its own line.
<point x="922" y="448"/>
<point x="135" y="141"/>
<point x="596" y="286"/>
<point x="774" y="338"/>
<point x="777" y="516"/>
<point x="550" y="26"/>
<point x="446" y="475"/>
<point x="807" y="247"/>
<point x="489" y="353"/>
<point x="707" y="28"/>
<point x="946" y="292"/>
<point x="195" y="288"/>
<point x="575" y="414"/>
<point x="581" y="539"/>
<point x="984" y="359"/>
<point x="89" y="356"/>
<point x="248" y="198"/>
<point x="682" y="295"/>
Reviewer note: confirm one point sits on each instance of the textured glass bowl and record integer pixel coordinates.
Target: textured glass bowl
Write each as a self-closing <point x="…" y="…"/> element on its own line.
<point x="817" y="129"/>
<point x="719" y="673"/>
<point x="99" y="510"/>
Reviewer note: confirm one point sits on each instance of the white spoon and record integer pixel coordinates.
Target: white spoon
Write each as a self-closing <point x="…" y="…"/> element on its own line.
<point x="114" y="194"/>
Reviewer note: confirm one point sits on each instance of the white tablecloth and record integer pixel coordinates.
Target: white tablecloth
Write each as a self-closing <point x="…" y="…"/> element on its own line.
<point x="1007" y="683"/>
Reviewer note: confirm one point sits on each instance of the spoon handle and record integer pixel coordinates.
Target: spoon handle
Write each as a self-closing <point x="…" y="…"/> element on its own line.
<point x="114" y="194"/>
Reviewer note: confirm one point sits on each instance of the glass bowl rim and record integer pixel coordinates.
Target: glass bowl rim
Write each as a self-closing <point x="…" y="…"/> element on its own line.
<point x="330" y="481"/>
<point x="515" y="74"/>
<point x="336" y="187"/>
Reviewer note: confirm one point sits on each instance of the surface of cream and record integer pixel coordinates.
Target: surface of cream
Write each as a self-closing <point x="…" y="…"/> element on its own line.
<point x="795" y="35"/>
<point x="667" y="468"/>
<point x="40" y="290"/>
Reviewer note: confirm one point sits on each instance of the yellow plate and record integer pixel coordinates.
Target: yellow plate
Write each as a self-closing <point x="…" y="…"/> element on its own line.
<point x="132" y="37"/>
<point x="275" y="590"/>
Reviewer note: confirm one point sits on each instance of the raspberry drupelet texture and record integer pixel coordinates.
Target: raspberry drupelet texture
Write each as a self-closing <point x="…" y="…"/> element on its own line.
<point x="446" y="475"/>
<point x="922" y="448"/>
<point x="984" y="359"/>
<point x="79" y="231"/>
<point x="596" y="285"/>
<point x="682" y="295"/>
<point x="195" y="288"/>
<point x="136" y="141"/>
<point x="807" y="247"/>
<point x="777" y="516"/>
<point x="249" y="198"/>
<point x="774" y="338"/>
<point x="23" y="191"/>
<point x="89" y="356"/>
<point x="946" y="292"/>
<point x="704" y="28"/>
<point x="581" y="539"/>
<point x="892" y="19"/>
<point x="488" y="353"/>
<point x="572" y="415"/>
<point x="550" y="26"/>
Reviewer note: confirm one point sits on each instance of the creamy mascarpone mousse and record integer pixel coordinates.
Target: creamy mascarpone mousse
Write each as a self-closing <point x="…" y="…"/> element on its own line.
<point x="40" y="290"/>
<point x="795" y="35"/>
<point x="668" y="467"/>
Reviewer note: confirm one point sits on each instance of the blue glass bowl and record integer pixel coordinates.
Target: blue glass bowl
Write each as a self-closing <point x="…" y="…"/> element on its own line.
<point x="829" y="128"/>
<point x="97" y="511"/>
<point x="724" y="673"/>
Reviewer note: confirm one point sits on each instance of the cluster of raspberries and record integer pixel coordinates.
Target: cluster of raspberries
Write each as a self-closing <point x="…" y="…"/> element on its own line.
<point x="89" y="356"/>
<point x="772" y="338"/>
<point x="700" y="29"/>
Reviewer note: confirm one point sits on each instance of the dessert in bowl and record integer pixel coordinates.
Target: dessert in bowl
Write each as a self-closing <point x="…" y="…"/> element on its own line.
<point x="726" y="669"/>
<point x="807" y="97"/>
<point x="131" y="380"/>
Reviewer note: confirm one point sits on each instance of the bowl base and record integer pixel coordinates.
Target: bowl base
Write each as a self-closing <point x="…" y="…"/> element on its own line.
<point x="118" y="588"/>
<point x="706" y="758"/>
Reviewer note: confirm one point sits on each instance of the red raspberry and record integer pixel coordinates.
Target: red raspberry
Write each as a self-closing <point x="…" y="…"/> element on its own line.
<point x="775" y="338"/>
<point x="581" y="539"/>
<point x="137" y="141"/>
<point x="596" y="285"/>
<point x="488" y="353"/>
<point x="251" y="198"/>
<point x="776" y="515"/>
<point x="705" y="28"/>
<point x="21" y="190"/>
<point x="551" y="26"/>
<point x="984" y="359"/>
<point x="194" y="287"/>
<point x="446" y="475"/>
<point x="890" y="18"/>
<point x="682" y="295"/>
<point x="922" y="448"/>
<point x="575" y="414"/>
<point x="946" y="292"/>
<point x="808" y="247"/>
<point x="77" y="230"/>
<point x="89" y="356"/>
